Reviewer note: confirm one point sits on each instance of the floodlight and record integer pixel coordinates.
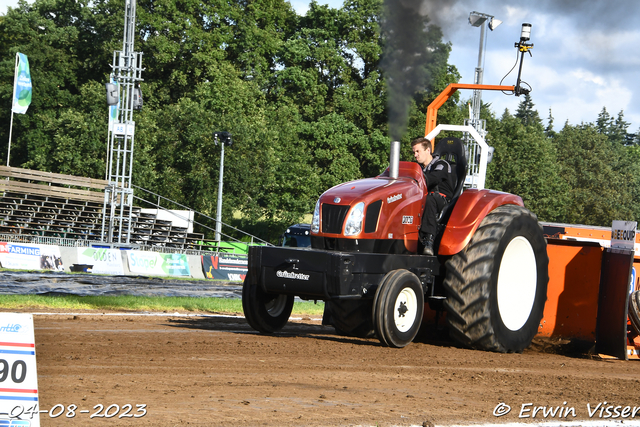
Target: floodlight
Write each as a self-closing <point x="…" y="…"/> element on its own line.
<point x="137" y="98"/>
<point x="477" y="19"/>
<point x="224" y="138"/>
<point x="493" y="24"/>
<point x="112" y="93"/>
<point x="525" y="35"/>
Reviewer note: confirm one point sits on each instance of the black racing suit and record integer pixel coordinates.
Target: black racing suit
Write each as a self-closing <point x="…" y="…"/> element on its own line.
<point x="440" y="179"/>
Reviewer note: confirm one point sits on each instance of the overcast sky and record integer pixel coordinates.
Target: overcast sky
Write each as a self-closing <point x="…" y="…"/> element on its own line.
<point x="585" y="53"/>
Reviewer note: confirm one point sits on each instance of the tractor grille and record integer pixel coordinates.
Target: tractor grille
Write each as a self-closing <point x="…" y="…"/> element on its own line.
<point x="371" y="219"/>
<point x="333" y="218"/>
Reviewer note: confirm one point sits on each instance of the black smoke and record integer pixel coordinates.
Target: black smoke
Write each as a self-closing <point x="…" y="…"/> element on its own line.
<point x="404" y="59"/>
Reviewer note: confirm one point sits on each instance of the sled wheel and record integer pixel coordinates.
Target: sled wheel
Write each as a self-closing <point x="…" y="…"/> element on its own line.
<point x="497" y="286"/>
<point x="634" y="310"/>
<point x="349" y="318"/>
<point x="266" y="313"/>
<point x="397" y="308"/>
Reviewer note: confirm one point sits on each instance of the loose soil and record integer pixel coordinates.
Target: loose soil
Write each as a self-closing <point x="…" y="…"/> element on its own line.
<point x="216" y="371"/>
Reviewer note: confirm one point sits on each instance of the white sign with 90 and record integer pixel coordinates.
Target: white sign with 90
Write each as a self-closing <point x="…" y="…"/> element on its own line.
<point x="18" y="375"/>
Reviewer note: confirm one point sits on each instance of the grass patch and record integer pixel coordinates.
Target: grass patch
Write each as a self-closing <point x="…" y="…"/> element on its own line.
<point x="140" y="303"/>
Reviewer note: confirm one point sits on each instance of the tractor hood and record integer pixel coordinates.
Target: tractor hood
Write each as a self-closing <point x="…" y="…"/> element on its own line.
<point x="362" y="208"/>
<point x="356" y="191"/>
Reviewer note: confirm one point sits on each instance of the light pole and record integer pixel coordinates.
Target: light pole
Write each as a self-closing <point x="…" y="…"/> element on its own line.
<point x="224" y="138"/>
<point x="477" y="19"/>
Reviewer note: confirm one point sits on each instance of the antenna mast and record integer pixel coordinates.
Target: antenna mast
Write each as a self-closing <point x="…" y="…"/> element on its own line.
<point x="125" y="75"/>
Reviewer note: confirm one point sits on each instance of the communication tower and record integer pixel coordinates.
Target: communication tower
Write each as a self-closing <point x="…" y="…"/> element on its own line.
<point x="123" y="97"/>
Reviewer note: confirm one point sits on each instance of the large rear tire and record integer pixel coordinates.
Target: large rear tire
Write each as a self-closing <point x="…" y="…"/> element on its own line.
<point x="397" y="308"/>
<point x="266" y="313"/>
<point x="634" y="310"/>
<point x="497" y="286"/>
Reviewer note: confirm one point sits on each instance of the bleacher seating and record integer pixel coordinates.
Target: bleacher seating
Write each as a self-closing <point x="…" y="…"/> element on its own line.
<point x="35" y="203"/>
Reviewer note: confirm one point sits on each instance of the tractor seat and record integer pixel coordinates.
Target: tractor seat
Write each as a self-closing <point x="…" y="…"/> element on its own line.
<point x="452" y="150"/>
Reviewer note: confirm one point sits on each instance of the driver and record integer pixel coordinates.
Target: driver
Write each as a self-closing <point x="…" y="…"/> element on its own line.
<point x="439" y="177"/>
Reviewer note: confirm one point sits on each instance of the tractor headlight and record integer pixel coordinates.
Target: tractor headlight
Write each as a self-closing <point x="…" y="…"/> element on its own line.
<point x="315" y="223"/>
<point x="354" y="221"/>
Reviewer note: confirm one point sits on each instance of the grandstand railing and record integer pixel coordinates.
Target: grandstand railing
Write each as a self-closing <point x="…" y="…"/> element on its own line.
<point x="46" y="208"/>
<point x="253" y="239"/>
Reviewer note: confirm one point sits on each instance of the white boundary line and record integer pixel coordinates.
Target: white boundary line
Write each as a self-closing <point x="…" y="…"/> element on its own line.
<point x="176" y="314"/>
<point x="559" y="423"/>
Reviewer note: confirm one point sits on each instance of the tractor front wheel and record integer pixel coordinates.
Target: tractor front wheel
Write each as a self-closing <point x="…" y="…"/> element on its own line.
<point x="265" y="312"/>
<point x="397" y="308"/>
<point x="497" y="286"/>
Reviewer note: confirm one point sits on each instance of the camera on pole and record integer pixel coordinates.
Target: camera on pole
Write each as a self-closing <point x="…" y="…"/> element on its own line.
<point x="223" y="138"/>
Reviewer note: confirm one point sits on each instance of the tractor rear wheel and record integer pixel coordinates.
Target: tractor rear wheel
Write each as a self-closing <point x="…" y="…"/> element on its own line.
<point x="397" y="308"/>
<point x="634" y="310"/>
<point x="265" y="312"/>
<point x="497" y="286"/>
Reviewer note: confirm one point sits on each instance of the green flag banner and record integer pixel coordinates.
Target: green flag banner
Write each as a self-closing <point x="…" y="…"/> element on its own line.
<point x="22" y="86"/>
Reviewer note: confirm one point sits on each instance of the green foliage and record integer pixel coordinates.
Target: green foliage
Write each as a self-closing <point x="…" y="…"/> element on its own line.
<point x="614" y="129"/>
<point x="603" y="176"/>
<point x="525" y="163"/>
<point x="306" y="99"/>
<point x="549" y="129"/>
<point x="527" y="115"/>
<point x="78" y="135"/>
<point x="582" y="175"/>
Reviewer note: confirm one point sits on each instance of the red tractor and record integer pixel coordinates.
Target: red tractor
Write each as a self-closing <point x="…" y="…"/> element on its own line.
<point x="489" y="274"/>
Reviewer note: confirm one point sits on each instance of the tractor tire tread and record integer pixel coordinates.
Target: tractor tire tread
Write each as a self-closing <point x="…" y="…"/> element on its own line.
<point x="634" y="310"/>
<point x="467" y="282"/>
<point x="384" y="306"/>
<point x="256" y="314"/>
<point x="351" y="318"/>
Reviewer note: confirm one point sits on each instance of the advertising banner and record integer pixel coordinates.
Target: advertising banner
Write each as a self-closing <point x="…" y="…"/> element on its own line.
<point x="157" y="264"/>
<point x="225" y="267"/>
<point x="19" y="376"/>
<point x="22" y="86"/>
<point x="623" y="234"/>
<point x="102" y="260"/>
<point x="25" y="256"/>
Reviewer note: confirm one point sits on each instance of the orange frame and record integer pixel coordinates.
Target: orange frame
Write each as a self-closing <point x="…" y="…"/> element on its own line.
<point x="432" y="110"/>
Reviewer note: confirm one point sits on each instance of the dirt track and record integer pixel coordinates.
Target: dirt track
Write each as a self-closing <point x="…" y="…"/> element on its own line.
<point x="215" y="371"/>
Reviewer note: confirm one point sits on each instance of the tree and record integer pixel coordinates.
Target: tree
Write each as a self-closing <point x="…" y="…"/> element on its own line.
<point x="549" y="129"/>
<point x="62" y="41"/>
<point x="450" y="113"/>
<point x="602" y="176"/>
<point x="304" y="97"/>
<point x="604" y="122"/>
<point x="525" y="163"/>
<point x="619" y="132"/>
<point x="525" y="112"/>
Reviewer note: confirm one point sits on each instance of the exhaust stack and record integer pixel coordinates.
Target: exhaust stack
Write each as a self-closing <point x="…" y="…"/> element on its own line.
<point x="394" y="159"/>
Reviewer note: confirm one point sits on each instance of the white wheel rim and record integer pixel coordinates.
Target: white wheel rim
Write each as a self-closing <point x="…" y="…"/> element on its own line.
<point x="275" y="307"/>
<point x="405" y="310"/>
<point x="517" y="282"/>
